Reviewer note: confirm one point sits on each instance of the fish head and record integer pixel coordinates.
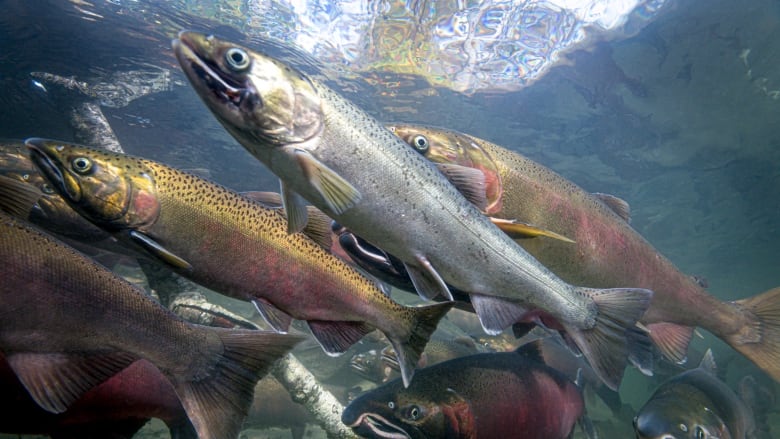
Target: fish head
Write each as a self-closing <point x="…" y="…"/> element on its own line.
<point x="679" y="418"/>
<point x="256" y="97"/>
<point x="444" y="146"/>
<point x="113" y="191"/>
<point x="390" y="411"/>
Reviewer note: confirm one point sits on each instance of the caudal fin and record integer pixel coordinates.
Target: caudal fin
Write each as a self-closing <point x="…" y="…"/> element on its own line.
<point x="409" y="347"/>
<point x="610" y="343"/>
<point x="217" y="404"/>
<point x="763" y="347"/>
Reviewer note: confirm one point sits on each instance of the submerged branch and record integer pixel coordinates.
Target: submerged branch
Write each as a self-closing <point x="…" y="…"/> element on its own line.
<point x="304" y="389"/>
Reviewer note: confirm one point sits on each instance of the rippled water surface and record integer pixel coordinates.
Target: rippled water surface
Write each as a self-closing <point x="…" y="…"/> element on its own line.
<point x="673" y="108"/>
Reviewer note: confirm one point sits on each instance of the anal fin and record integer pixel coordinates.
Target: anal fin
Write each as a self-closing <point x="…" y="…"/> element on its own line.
<point x="672" y="340"/>
<point x="336" y="337"/>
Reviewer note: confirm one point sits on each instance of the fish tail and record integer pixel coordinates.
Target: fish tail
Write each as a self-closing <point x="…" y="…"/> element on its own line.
<point x="218" y="403"/>
<point x="613" y="340"/>
<point x="761" y="343"/>
<point x="409" y="347"/>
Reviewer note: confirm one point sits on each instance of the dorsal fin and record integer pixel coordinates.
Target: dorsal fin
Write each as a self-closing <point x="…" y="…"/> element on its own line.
<point x="532" y="350"/>
<point x="617" y="205"/>
<point x="708" y="362"/>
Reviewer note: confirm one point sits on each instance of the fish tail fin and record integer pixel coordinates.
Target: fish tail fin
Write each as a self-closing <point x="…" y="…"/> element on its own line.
<point x="761" y="343"/>
<point x="409" y="347"/>
<point x="611" y="342"/>
<point x="218" y="403"/>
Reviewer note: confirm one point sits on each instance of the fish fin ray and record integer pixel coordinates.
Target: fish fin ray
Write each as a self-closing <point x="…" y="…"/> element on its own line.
<point x="218" y="404"/>
<point x="294" y="209"/>
<point x="159" y="251"/>
<point x="708" y="362"/>
<point x="606" y="344"/>
<point x="427" y="282"/>
<point x="496" y="314"/>
<point x="518" y="230"/>
<point x="271" y="200"/>
<point x="409" y="349"/>
<point x="318" y="228"/>
<point x="56" y="380"/>
<point x="672" y="340"/>
<point x="765" y="350"/>
<point x="317" y="224"/>
<point x="640" y="350"/>
<point x="617" y="205"/>
<point x="336" y="337"/>
<point x="17" y="198"/>
<point x="337" y="192"/>
<point x="470" y="182"/>
<point x="275" y="317"/>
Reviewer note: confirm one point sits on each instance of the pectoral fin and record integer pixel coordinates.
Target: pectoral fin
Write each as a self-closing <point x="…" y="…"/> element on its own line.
<point x="160" y="252"/>
<point x="337" y="192"/>
<point x="470" y="182"/>
<point x="518" y="230"/>
<point x="295" y="208"/>
<point x="317" y="223"/>
<point x="426" y="280"/>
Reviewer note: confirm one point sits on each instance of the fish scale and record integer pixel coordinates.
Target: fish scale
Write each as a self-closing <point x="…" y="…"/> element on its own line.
<point x="331" y="153"/>
<point x="234" y="246"/>
<point x="67" y="324"/>
<point x="607" y="251"/>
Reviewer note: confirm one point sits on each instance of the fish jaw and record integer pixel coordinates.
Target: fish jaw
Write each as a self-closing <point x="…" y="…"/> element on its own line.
<point x="108" y="195"/>
<point x="261" y="99"/>
<point x="375" y="425"/>
<point x="44" y="154"/>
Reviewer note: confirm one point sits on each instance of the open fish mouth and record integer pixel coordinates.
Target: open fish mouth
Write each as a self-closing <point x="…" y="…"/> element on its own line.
<point x="374" y="425"/>
<point x="225" y="88"/>
<point x="48" y="167"/>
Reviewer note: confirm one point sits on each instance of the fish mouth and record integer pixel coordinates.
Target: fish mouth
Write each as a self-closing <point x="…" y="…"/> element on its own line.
<point x="225" y="88"/>
<point x="49" y="168"/>
<point x="374" y="425"/>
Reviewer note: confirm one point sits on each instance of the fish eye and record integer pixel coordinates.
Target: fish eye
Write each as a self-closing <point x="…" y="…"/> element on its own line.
<point x="81" y="165"/>
<point x="46" y="189"/>
<point x="237" y="59"/>
<point x="420" y="143"/>
<point x="413" y="413"/>
<point x="391" y="405"/>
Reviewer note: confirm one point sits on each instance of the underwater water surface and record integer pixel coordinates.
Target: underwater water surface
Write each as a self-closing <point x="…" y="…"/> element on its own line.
<point x="674" y="110"/>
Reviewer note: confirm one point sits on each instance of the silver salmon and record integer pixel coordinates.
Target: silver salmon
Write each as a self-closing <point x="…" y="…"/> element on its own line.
<point x="607" y="251"/>
<point x="331" y="153"/>
<point x="67" y="324"/>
